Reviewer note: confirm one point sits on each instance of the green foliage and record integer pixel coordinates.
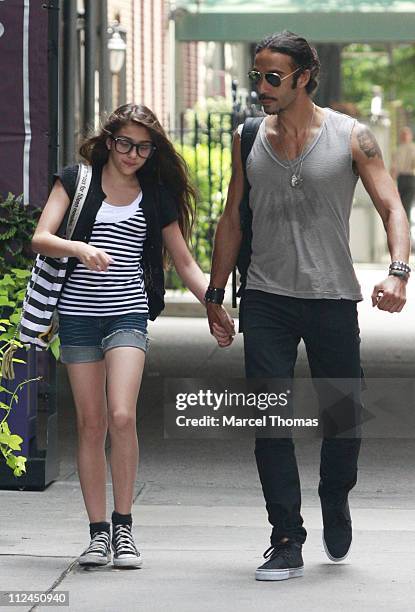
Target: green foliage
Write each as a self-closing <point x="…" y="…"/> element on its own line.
<point x="205" y="142"/>
<point x="172" y="280"/>
<point x="9" y="442"/>
<point x="54" y="347"/>
<point x="210" y="171"/>
<point x="206" y="126"/>
<point x="17" y="224"/>
<point x="213" y="104"/>
<point x="364" y="66"/>
<point x="12" y="291"/>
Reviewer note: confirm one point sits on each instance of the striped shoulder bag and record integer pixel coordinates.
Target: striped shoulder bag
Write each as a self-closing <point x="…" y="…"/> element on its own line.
<point x="39" y="321"/>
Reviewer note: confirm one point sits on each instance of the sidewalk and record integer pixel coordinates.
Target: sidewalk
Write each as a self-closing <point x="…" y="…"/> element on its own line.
<point x="199" y="515"/>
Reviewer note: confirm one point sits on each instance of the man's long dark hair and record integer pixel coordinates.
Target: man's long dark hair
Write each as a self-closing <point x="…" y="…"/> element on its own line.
<point x="166" y="166"/>
<point x="303" y="55"/>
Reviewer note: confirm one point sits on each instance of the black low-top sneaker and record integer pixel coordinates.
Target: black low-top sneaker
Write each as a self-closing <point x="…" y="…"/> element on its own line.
<point x="284" y="561"/>
<point x="98" y="551"/>
<point x="125" y="551"/>
<point x="337" y="530"/>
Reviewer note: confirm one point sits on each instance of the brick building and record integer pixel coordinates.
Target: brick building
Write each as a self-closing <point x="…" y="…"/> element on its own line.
<point x="167" y="76"/>
<point x="146" y="25"/>
<point x="158" y="71"/>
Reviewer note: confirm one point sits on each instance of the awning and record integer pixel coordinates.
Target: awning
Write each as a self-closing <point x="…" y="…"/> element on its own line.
<point x="330" y="21"/>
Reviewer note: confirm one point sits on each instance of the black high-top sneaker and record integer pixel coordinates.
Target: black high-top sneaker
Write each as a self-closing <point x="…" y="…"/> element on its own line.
<point x="284" y="560"/>
<point x="337" y="530"/>
<point x="125" y="551"/>
<point x="98" y="551"/>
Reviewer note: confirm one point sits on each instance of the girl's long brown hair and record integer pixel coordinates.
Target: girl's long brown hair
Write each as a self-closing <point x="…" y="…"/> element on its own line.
<point x="166" y="166"/>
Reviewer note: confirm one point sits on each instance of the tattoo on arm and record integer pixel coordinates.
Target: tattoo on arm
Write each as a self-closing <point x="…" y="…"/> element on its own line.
<point x="368" y="143"/>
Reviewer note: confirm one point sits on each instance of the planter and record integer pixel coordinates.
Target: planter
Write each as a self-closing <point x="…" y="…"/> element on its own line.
<point x="34" y="418"/>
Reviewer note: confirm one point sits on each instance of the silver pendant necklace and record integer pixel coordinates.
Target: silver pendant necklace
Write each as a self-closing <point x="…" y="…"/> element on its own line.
<point x="296" y="179"/>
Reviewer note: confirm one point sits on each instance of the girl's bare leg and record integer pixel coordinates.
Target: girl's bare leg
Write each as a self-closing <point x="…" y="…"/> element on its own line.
<point x="88" y="389"/>
<point x="124" y="373"/>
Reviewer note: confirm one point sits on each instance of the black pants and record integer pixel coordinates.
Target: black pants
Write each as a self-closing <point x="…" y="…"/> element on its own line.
<point x="273" y="328"/>
<point x="406" y="188"/>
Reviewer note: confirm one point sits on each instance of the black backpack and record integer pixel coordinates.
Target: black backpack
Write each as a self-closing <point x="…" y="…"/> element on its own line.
<point x="249" y="132"/>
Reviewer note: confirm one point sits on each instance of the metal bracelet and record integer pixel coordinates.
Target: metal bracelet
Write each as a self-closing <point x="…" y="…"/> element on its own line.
<point x="400" y="265"/>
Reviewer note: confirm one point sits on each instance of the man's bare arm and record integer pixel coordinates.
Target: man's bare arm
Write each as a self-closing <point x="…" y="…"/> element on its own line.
<point x="228" y="234"/>
<point x="226" y="248"/>
<point x="382" y="190"/>
<point x="368" y="162"/>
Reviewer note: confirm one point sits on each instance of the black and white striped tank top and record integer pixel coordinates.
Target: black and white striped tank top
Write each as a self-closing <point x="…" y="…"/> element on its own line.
<point x="120" y="231"/>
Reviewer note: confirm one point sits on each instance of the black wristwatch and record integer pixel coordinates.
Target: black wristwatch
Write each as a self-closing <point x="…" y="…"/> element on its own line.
<point x="214" y="295"/>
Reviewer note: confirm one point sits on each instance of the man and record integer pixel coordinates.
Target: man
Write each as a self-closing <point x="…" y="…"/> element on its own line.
<point x="403" y="168"/>
<point x="302" y="170"/>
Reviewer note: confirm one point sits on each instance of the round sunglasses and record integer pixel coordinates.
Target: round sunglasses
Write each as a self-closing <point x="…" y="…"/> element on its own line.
<point x="144" y="149"/>
<point x="273" y="78"/>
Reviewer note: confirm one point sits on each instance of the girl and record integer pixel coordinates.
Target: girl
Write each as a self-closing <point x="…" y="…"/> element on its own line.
<point x="139" y="205"/>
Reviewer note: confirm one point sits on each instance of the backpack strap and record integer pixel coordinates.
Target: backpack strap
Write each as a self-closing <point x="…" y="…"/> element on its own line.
<point x="248" y="135"/>
<point x="249" y="132"/>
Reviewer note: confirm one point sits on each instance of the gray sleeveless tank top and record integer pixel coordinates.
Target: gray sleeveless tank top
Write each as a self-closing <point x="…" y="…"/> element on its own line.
<point x="300" y="244"/>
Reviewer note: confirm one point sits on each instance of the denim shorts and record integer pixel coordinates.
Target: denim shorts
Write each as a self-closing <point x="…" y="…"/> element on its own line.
<point x="85" y="338"/>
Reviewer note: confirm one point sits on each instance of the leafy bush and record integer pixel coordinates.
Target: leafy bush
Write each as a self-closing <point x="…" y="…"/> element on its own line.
<point x="17" y="225"/>
<point x="12" y="291"/>
<point x="364" y="66"/>
<point x="210" y="173"/>
<point x="9" y="442"/>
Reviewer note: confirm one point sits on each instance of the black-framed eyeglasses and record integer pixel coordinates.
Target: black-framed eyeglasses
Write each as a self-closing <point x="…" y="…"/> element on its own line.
<point x="273" y="78"/>
<point x="145" y="149"/>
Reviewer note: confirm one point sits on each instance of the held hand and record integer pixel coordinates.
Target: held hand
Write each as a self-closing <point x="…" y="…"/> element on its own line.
<point x="390" y="294"/>
<point x="94" y="259"/>
<point x="222" y="337"/>
<point x="221" y="324"/>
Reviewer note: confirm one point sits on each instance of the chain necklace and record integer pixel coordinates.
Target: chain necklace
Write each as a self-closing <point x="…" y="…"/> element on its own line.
<point x="296" y="179"/>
